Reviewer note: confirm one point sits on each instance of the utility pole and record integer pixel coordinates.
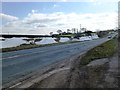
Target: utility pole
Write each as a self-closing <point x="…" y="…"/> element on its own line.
<point x="80" y="28"/>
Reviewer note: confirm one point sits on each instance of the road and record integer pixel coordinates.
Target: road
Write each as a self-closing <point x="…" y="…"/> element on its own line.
<point x="17" y="64"/>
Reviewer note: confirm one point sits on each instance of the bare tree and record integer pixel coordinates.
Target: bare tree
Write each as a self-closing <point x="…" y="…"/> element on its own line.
<point x="32" y="40"/>
<point x="37" y="40"/>
<point x="28" y="40"/>
<point x="68" y="30"/>
<point x="51" y="33"/>
<point x="59" y="31"/>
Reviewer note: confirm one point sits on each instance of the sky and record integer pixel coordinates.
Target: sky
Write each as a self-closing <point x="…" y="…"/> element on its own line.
<point x="46" y="17"/>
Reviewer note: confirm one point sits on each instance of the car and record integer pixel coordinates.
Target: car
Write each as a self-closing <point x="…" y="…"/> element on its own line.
<point x="109" y="36"/>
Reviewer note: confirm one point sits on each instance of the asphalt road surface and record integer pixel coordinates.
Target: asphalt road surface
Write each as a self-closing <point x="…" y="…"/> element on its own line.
<point x="17" y="64"/>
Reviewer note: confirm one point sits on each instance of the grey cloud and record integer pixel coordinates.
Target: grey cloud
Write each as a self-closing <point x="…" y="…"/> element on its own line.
<point x="88" y="17"/>
<point x="8" y="17"/>
<point x="41" y="25"/>
<point x="47" y="20"/>
<point x="60" y="24"/>
<point x="106" y="15"/>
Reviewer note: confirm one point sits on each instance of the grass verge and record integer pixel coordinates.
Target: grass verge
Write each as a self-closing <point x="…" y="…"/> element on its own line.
<point x="104" y="50"/>
<point x="22" y="47"/>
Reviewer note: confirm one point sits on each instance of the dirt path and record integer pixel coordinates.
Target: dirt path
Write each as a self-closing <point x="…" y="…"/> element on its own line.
<point x="101" y="73"/>
<point x="111" y="77"/>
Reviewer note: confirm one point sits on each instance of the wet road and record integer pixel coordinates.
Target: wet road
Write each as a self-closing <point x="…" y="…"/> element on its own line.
<point x="18" y="63"/>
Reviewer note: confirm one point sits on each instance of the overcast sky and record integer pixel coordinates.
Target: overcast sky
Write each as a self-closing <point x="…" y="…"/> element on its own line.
<point x="46" y="17"/>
